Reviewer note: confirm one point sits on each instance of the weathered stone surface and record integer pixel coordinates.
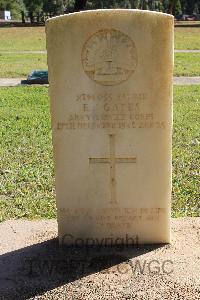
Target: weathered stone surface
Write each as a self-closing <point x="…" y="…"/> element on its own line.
<point x="110" y="76"/>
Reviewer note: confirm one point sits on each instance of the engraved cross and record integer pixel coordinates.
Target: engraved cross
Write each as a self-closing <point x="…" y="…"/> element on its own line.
<point x="112" y="161"/>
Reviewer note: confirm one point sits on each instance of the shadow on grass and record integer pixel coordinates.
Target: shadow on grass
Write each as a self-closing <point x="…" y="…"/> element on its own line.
<point x="187" y="25"/>
<point x="8" y="24"/>
<point x="36" y="269"/>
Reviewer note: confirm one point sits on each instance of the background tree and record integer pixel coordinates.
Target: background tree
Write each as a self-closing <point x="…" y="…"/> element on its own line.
<point x="15" y="6"/>
<point x="177" y="10"/>
<point x="33" y="7"/>
<point x="191" y="6"/>
<point x="80" y="5"/>
<point x="57" y="7"/>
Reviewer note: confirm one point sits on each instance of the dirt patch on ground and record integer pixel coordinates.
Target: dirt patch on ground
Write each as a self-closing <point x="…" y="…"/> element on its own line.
<point x="33" y="266"/>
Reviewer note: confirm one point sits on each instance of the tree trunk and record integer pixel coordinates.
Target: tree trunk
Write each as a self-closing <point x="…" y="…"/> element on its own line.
<point x="171" y="6"/>
<point x="38" y="17"/>
<point x="31" y="17"/>
<point x="23" y="16"/>
<point x="79" y="5"/>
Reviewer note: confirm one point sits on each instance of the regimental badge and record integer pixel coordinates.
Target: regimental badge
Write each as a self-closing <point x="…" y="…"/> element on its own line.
<point x="109" y="57"/>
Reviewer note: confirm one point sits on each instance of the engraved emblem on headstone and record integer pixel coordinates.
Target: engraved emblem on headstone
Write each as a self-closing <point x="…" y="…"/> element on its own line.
<point x="109" y="57"/>
<point x="112" y="160"/>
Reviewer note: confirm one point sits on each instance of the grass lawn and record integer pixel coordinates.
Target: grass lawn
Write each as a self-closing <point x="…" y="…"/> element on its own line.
<point x="186" y="155"/>
<point x="187" y="64"/>
<point x="26" y="170"/>
<point x="187" y="38"/>
<point x="19" y="65"/>
<point x="33" y="38"/>
<point x="22" y="38"/>
<point x="27" y="188"/>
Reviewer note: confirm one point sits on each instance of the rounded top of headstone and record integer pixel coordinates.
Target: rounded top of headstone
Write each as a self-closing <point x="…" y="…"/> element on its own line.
<point x="111" y="12"/>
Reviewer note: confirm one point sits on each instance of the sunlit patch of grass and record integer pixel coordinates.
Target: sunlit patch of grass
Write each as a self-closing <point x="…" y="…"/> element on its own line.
<point x="187" y="64"/>
<point x="19" y="65"/>
<point x="26" y="167"/>
<point x="186" y="151"/>
<point x="33" y="38"/>
<point x="187" y="38"/>
<point x="22" y="38"/>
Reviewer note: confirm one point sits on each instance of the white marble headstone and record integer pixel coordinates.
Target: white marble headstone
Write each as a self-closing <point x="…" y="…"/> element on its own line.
<point x="110" y="74"/>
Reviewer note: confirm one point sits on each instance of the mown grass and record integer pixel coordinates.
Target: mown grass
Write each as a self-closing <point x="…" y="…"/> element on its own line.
<point x="186" y="151"/>
<point x="187" y="38"/>
<point x="22" y="39"/>
<point x="187" y="64"/>
<point x="33" y="38"/>
<point x="19" y="65"/>
<point x="27" y="188"/>
<point x="26" y="169"/>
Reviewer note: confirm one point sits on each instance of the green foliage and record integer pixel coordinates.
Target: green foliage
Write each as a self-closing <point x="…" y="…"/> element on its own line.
<point x="191" y="6"/>
<point x="60" y="6"/>
<point x="173" y="6"/>
<point x="11" y="4"/>
<point x="177" y="8"/>
<point x="15" y="6"/>
<point x="50" y="6"/>
<point x="33" y="5"/>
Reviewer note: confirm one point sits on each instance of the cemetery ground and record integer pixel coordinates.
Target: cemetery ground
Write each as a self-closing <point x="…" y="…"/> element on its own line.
<point x="14" y="65"/>
<point x="34" y="267"/>
<point x="22" y="39"/>
<point x="27" y="192"/>
<point x="20" y="65"/>
<point x="33" y="38"/>
<point x="26" y="153"/>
